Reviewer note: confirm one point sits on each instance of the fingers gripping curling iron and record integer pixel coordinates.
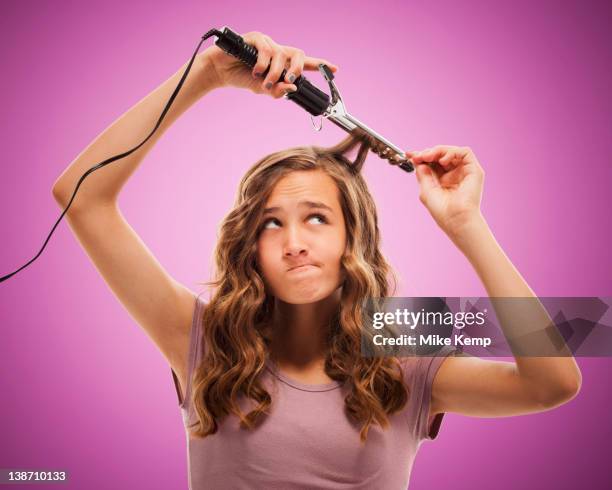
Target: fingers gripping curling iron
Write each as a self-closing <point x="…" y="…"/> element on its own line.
<point x="307" y="96"/>
<point x="316" y="102"/>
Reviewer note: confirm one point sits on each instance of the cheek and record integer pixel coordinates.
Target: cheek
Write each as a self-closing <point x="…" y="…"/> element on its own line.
<point x="341" y="252"/>
<point x="340" y="247"/>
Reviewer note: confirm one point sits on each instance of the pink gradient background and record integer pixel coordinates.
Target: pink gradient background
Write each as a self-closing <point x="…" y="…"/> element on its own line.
<point x="525" y="84"/>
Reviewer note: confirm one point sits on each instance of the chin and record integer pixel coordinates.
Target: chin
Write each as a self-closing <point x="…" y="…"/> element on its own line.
<point x="306" y="293"/>
<point x="301" y="297"/>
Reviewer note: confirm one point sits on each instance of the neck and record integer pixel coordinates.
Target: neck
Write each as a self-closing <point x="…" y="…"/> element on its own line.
<point x="300" y="332"/>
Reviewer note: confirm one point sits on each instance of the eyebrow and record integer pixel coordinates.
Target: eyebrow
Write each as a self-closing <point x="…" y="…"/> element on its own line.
<point x="307" y="204"/>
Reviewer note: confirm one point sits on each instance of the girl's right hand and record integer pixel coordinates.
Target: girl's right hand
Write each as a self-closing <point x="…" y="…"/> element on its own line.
<point x="231" y="72"/>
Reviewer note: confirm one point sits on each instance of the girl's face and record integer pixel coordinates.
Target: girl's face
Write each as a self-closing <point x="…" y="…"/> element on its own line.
<point x="302" y="224"/>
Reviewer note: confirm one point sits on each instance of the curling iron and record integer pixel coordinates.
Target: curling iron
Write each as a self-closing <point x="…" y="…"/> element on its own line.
<point x="316" y="102"/>
<point x="307" y="96"/>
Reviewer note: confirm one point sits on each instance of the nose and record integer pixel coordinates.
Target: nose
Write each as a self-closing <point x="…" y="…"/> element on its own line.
<point x="294" y="244"/>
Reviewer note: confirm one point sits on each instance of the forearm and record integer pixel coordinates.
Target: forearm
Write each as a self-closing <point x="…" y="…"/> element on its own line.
<point x="522" y="320"/>
<point x="497" y="273"/>
<point x="104" y="184"/>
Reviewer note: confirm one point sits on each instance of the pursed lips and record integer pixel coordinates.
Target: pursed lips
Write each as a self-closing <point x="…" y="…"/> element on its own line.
<point x="300" y="266"/>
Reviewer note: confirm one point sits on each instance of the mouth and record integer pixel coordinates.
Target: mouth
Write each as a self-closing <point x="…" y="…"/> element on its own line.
<point x="304" y="267"/>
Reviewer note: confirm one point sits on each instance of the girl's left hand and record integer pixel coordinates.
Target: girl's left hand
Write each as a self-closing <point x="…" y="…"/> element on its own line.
<point x="451" y="181"/>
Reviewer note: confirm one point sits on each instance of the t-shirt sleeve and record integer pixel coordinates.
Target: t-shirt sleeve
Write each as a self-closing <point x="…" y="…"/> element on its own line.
<point x="419" y="373"/>
<point x="194" y="356"/>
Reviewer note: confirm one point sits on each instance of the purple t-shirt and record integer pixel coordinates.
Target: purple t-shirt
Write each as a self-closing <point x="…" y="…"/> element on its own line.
<point x="307" y="441"/>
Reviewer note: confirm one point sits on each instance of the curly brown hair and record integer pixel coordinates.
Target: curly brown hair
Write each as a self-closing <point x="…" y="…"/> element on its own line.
<point x="237" y="320"/>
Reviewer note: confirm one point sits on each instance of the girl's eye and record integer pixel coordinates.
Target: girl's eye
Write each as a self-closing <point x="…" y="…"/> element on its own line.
<point x="318" y="216"/>
<point x="264" y="226"/>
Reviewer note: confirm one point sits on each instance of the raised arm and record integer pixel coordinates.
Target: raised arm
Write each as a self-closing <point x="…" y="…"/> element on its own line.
<point x="450" y="186"/>
<point x="158" y="303"/>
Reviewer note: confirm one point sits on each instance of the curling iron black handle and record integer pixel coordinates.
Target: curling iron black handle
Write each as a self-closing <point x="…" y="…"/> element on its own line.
<point x="306" y="96"/>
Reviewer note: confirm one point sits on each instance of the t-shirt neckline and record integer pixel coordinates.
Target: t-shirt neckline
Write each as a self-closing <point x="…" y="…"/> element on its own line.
<point x="298" y="384"/>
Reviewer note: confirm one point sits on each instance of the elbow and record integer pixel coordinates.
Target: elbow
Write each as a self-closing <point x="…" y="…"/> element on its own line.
<point x="64" y="194"/>
<point x="562" y="393"/>
<point x="62" y="197"/>
<point x="57" y="193"/>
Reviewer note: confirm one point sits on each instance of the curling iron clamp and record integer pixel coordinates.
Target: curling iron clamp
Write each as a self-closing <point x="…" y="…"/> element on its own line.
<point x="317" y="102"/>
<point x="307" y="96"/>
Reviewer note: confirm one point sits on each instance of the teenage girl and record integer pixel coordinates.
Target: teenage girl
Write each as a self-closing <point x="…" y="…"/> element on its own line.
<point x="272" y="387"/>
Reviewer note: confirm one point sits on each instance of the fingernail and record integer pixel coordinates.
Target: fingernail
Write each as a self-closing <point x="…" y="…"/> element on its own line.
<point x="269" y="85"/>
<point x="291" y="78"/>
